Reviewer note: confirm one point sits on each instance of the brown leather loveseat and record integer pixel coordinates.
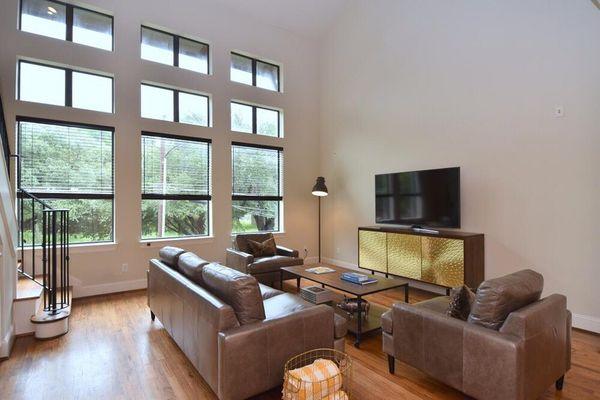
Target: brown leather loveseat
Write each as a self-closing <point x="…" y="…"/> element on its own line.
<point x="236" y="332"/>
<point x="512" y="347"/>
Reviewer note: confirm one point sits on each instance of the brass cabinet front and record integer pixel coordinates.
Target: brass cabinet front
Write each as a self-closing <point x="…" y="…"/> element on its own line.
<point x="404" y="255"/>
<point x="372" y="250"/>
<point x="443" y="261"/>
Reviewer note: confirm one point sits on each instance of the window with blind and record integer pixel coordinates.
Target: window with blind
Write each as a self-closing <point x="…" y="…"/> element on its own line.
<point x="167" y="48"/>
<point x="257" y="187"/>
<point x="63" y="86"/>
<point x="174" y="105"/>
<point x="70" y="166"/>
<point x="64" y="21"/>
<point x="255" y="119"/>
<point x="175" y="186"/>
<point x="254" y="72"/>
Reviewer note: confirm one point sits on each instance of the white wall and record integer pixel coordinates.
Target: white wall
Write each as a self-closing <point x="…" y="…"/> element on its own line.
<point x="98" y="269"/>
<point x="410" y="84"/>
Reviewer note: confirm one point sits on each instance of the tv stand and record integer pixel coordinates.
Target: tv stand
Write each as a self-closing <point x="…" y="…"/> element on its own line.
<point x="444" y="258"/>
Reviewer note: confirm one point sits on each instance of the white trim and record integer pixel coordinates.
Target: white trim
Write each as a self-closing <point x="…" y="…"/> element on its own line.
<point x="105" y="288"/>
<point x="586" y="322"/>
<point x="82" y="248"/>
<point x="150" y="243"/>
<point x="7" y="342"/>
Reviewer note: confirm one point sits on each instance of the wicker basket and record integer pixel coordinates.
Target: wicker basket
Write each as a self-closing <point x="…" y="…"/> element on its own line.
<point x="334" y="385"/>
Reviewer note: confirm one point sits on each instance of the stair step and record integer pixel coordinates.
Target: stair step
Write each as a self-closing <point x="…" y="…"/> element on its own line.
<point x="27" y="289"/>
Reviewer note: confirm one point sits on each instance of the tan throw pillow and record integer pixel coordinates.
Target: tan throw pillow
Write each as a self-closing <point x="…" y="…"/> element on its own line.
<point x="263" y="249"/>
<point x="461" y="299"/>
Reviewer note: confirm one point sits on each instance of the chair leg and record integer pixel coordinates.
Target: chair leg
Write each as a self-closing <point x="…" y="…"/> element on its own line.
<point x="298" y="282"/>
<point x="391" y="364"/>
<point x="152" y="316"/>
<point x="560" y="382"/>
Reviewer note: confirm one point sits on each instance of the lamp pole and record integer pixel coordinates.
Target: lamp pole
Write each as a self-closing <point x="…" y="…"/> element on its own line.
<point x="320" y="190"/>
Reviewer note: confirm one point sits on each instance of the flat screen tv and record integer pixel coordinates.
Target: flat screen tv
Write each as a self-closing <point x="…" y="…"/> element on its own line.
<point x="429" y="198"/>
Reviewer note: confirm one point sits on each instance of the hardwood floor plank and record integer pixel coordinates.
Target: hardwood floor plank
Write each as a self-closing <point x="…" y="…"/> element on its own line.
<point x="114" y="350"/>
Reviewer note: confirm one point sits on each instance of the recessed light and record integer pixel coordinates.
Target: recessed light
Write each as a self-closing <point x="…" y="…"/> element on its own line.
<point x="51" y="10"/>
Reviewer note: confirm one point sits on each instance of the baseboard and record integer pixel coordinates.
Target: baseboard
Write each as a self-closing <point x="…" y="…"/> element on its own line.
<point x="311" y="260"/>
<point x="586" y="322"/>
<point x="105" y="288"/>
<point x="7" y="343"/>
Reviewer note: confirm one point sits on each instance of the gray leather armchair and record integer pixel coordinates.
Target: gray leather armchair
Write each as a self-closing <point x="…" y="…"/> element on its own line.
<point x="515" y="355"/>
<point x="265" y="269"/>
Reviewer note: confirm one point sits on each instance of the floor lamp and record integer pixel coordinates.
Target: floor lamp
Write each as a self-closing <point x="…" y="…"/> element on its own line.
<point x="320" y="190"/>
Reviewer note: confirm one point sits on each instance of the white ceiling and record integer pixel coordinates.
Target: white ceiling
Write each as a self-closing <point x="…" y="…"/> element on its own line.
<point x="306" y="17"/>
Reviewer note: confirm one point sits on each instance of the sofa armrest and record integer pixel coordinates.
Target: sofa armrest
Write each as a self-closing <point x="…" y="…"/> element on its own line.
<point x="256" y="353"/>
<point x="238" y="260"/>
<point x="284" y="251"/>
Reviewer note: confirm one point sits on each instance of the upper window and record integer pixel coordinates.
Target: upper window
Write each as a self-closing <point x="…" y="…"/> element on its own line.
<point x="69" y="166"/>
<point x="175" y="186"/>
<point x="170" y="49"/>
<point x="67" y="22"/>
<point x="254" y="119"/>
<point x="257" y="187"/>
<point x="174" y="105"/>
<point x="62" y="86"/>
<point x="252" y="71"/>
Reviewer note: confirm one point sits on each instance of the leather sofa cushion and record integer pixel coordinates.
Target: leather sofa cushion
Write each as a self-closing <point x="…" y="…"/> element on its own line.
<point x="263" y="249"/>
<point x="340" y="325"/>
<point x="241" y="241"/>
<point x="239" y="290"/>
<point x="496" y="298"/>
<point x="284" y="304"/>
<point x="191" y="266"/>
<point x="386" y="321"/>
<point x="267" y="291"/>
<point x="272" y="264"/>
<point x="437" y="304"/>
<point x="170" y="255"/>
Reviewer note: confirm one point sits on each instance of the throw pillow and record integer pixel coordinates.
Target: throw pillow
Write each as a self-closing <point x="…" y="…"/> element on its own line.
<point x="263" y="249"/>
<point x="461" y="299"/>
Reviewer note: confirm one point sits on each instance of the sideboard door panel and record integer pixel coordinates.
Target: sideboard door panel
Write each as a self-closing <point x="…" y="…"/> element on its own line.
<point x="404" y="255"/>
<point x="443" y="261"/>
<point x="372" y="250"/>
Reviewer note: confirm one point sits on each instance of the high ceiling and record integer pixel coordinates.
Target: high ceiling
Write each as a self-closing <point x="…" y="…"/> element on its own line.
<point x="306" y="17"/>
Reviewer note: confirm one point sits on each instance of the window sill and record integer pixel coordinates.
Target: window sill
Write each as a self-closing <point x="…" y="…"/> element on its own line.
<point x="84" y="248"/>
<point x="276" y="234"/>
<point x="152" y="243"/>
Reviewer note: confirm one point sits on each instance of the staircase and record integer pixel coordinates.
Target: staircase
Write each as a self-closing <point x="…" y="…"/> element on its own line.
<point x="35" y="240"/>
<point x="43" y="290"/>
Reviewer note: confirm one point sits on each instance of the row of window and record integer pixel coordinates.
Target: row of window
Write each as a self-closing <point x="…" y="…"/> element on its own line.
<point x="76" y="24"/>
<point x="63" y="86"/>
<point x="71" y="166"/>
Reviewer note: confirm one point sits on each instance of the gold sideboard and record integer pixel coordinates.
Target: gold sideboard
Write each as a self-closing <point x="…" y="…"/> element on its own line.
<point x="447" y="259"/>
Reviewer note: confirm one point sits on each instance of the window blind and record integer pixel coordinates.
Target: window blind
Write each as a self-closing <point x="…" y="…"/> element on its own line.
<point x="257" y="172"/>
<point x="60" y="159"/>
<point x="175" y="168"/>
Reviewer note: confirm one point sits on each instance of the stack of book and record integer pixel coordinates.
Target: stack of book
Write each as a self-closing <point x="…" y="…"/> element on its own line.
<point x="355" y="277"/>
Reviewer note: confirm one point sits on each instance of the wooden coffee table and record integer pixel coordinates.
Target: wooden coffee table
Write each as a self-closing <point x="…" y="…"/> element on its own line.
<point x="362" y="323"/>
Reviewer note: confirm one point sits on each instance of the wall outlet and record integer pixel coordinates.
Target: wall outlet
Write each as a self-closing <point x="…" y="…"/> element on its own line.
<point x="337" y="250"/>
<point x="305" y="251"/>
<point x="559" y="111"/>
<point x="124" y="267"/>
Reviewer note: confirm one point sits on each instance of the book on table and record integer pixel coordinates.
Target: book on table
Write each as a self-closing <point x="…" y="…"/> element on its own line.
<point x="320" y="270"/>
<point x="359" y="279"/>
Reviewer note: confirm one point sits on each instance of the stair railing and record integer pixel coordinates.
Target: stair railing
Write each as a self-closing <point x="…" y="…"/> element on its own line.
<point x="51" y="225"/>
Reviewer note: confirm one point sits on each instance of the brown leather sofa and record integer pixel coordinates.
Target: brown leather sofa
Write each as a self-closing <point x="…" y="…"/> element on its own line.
<point x="265" y="269"/>
<point x="512" y="347"/>
<point x="236" y="332"/>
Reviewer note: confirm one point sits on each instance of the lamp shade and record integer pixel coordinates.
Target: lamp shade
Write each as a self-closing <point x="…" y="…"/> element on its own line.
<point x="320" y="189"/>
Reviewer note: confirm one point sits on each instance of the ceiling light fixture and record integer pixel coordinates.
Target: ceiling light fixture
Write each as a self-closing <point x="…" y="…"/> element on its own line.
<point x="51" y="10"/>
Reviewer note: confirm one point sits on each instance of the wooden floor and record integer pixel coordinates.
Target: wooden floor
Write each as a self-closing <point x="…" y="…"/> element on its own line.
<point x="114" y="351"/>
